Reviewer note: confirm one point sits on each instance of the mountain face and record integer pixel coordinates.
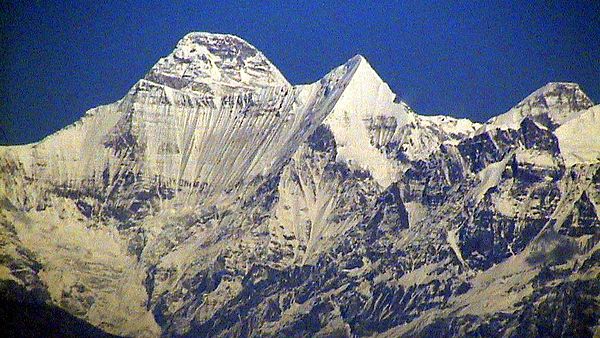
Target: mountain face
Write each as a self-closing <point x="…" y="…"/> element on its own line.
<point x="216" y="199"/>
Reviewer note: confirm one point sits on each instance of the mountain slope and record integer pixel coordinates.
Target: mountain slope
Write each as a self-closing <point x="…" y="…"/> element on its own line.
<point x="216" y="199"/>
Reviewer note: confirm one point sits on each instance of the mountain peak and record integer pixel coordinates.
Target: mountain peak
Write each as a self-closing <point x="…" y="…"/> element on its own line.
<point x="212" y="36"/>
<point x="560" y="90"/>
<point x="358" y="58"/>
<point x="553" y="86"/>
<point x="556" y="100"/>
<point x="209" y="62"/>
<point x="550" y="105"/>
<point x="365" y="73"/>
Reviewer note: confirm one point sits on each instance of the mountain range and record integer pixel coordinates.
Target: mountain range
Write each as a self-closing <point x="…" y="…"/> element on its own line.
<point x="217" y="199"/>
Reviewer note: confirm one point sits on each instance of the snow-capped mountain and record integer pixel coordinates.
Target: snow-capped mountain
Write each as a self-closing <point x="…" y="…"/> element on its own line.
<point x="216" y="199"/>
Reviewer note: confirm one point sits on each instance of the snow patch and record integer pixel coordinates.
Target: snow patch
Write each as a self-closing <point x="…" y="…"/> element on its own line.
<point x="579" y="138"/>
<point x="452" y="237"/>
<point x="489" y="177"/>
<point x="541" y="159"/>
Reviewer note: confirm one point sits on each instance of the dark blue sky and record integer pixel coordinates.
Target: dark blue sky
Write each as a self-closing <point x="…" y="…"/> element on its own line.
<point x="441" y="57"/>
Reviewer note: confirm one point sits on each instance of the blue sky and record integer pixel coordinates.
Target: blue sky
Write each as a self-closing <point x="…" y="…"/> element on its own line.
<point x="466" y="59"/>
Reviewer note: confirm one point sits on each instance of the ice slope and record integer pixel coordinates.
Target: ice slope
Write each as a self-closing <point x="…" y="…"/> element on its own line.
<point x="366" y="97"/>
<point x="579" y="137"/>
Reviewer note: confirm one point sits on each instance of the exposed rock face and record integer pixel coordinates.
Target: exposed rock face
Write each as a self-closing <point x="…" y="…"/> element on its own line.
<point x="216" y="199"/>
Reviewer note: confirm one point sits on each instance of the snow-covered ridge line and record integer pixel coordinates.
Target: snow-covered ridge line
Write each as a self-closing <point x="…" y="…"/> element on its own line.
<point x="208" y="67"/>
<point x="208" y="139"/>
